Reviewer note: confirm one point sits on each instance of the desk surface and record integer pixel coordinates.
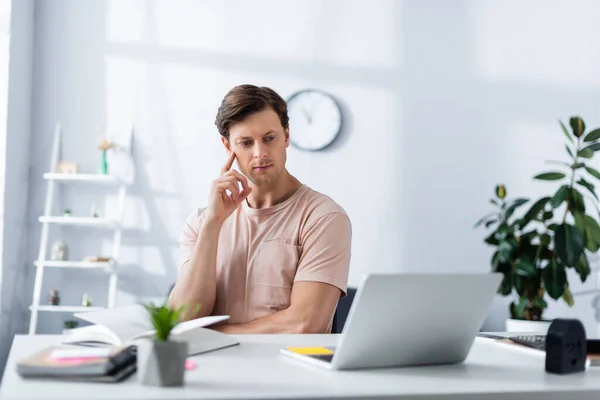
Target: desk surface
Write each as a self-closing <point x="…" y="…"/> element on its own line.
<point x="255" y="369"/>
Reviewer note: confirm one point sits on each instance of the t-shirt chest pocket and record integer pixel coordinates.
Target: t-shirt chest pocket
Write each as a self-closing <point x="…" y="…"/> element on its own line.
<point x="273" y="273"/>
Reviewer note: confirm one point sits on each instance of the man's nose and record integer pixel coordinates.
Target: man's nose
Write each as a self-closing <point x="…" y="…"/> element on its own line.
<point x="260" y="151"/>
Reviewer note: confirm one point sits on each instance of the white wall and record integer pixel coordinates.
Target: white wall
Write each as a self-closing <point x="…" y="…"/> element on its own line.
<point x="442" y="101"/>
<point x="16" y="103"/>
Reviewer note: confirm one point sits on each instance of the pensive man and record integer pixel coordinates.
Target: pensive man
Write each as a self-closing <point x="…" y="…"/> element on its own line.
<point x="267" y="250"/>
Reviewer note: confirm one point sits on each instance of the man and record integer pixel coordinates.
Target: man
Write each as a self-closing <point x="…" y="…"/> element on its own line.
<point x="267" y="250"/>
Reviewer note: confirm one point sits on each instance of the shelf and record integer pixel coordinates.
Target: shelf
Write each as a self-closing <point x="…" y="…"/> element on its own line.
<point x="67" y="309"/>
<point x="89" y="178"/>
<point x="81" y="221"/>
<point x="78" y="264"/>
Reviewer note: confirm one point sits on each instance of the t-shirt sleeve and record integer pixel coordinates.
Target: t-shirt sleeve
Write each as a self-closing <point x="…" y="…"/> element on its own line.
<point x="187" y="239"/>
<point x="326" y="251"/>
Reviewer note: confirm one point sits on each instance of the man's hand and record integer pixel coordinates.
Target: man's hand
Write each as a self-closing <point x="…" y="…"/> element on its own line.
<point x="220" y="203"/>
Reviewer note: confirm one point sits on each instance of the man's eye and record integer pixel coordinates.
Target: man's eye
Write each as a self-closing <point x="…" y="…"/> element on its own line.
<point x="270" y="138"/>
<point x="246" y="143"/>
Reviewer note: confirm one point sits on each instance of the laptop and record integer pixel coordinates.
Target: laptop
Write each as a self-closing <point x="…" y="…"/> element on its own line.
<point x="408" y="320"/>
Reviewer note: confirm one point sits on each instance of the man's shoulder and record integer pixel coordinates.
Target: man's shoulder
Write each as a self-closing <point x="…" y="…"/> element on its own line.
<point x="318" y="205"/>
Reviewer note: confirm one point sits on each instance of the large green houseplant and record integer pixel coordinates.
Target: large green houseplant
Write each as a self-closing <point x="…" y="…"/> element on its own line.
<point x="533" y="250"/>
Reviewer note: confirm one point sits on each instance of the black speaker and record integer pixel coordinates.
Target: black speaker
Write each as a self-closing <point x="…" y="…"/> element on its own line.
<point x="566" y="347"/>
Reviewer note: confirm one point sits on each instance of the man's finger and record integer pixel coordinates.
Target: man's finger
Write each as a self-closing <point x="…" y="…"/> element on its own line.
<point x="240" y="178"/>
<point x="232" y="187"/>
<point x="243" y="194"/>
<point x="229" y="163"/>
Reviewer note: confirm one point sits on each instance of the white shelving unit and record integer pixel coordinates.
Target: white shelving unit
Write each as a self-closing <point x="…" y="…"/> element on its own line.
<point x="89" y="178"/>
<point x="81" y="221"/>
<point x="65" y="309"/>
<point x="47" y="220"/>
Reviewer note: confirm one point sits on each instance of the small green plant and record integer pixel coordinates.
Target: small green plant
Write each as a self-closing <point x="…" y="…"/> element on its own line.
<point x="533" y="252"/>
<point x="164" y="318"/>
<point x="70" y="324"/>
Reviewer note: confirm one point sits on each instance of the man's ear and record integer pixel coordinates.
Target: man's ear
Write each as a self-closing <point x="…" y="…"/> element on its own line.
<point x="287" y="137"/>
<point x="226" y="144"/>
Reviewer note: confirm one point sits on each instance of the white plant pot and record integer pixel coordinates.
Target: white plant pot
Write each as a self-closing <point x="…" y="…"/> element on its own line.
<point x="525" y="326"/>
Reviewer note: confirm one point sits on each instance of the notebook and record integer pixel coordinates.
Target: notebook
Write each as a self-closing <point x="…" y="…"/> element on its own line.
<point x="112" y="365"/>
<point x="123" y="326"/>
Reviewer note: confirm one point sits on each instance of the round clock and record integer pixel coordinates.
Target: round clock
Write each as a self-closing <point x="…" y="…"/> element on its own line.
<point x="315" y="119"/>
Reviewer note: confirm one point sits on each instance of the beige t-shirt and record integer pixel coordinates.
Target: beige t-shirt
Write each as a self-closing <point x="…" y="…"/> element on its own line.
<point x="262" y="252"/>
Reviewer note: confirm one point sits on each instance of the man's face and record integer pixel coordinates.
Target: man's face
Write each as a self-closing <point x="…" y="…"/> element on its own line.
<point x="259" y="142"/>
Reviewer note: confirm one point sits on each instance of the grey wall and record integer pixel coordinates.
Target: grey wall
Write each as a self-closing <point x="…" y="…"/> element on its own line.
<point x="442" y="101"/>
<point x="16" y="296"/>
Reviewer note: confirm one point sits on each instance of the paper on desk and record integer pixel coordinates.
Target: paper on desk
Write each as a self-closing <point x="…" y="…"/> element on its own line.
<point x="83" y="352"/>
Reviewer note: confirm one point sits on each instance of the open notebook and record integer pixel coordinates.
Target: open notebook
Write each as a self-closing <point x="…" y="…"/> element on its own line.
<point x="122" y="326"/>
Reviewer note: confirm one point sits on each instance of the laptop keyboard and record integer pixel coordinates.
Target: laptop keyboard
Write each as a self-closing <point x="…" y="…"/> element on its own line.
<point x="534" y="341"/>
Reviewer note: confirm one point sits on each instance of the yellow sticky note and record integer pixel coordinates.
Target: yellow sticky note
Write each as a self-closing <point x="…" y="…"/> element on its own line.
<point x="310" y="350"/>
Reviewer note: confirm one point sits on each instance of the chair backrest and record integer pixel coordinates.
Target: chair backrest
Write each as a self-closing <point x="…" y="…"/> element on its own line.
<point x="342" y="310"/>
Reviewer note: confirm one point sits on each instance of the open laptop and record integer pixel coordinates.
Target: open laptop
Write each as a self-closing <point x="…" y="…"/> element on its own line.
<point x="408" y="319"/>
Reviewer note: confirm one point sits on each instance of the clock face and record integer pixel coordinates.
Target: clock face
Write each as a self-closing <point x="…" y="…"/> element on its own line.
<point x="315" y="119"/>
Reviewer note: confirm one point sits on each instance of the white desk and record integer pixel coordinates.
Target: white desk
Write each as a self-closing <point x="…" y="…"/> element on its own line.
<point x="255" y="369"/>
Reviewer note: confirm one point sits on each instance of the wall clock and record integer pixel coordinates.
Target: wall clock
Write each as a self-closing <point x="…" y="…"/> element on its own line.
<point x="315" y="119"/>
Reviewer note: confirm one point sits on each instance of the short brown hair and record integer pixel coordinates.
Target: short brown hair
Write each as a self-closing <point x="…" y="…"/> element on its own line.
<point x="244" y="100"/>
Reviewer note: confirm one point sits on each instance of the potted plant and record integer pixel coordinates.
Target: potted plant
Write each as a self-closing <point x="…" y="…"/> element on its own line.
<point x="161" y="361"/>
<point x="556" y="233"/>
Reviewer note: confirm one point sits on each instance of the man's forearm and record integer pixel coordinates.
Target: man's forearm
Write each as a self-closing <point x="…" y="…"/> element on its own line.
<point x="285" y="321"/>
<point x="197" y="281"/>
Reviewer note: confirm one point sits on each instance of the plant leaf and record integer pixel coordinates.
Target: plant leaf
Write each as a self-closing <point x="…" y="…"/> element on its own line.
<point x="560" y="196"/>
<point x="520" y="284"/>
<point x="521" y="306"/>
<point x="569" y="244"/>
<point x="558" y="163"/>
<point x="539" y="301"/>
<point x="577" y="165"/>
<point x="593" y="172"/>
<point x="593" y="135"/>
<point x="502" y="232"/>
<point x="484" y="219"/>
<point x="550" y="176"/>
<point x="534" y="210"/>
<point x="583" y="267"/>
<point x="494" y="202"/>
<point x="564" y="128"/>
<point x="588" y="186"/>
<point x="526" y="268"/>
<point x="490" y="222"/>
<point x="501" y="191"/>
<point x="569" y="150"/>
<point x="568" y="296"/>
<point x="577" y="202"/>
<point x="491" y="239"/>
<point x="577" y="125"/>
<point x="504" y="251"/>
<point x="592" y="147"/>
<point x="506" y="285"/>
<point x="580" y="223"/>
<point x="517" y="203"/>
<point x="555" y="277"/>
<point x="586" y="152"/>
<point x="592" y="234"/>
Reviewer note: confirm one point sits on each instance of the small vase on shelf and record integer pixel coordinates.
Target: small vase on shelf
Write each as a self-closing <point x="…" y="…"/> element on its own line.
<point x="105" y="145"/>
